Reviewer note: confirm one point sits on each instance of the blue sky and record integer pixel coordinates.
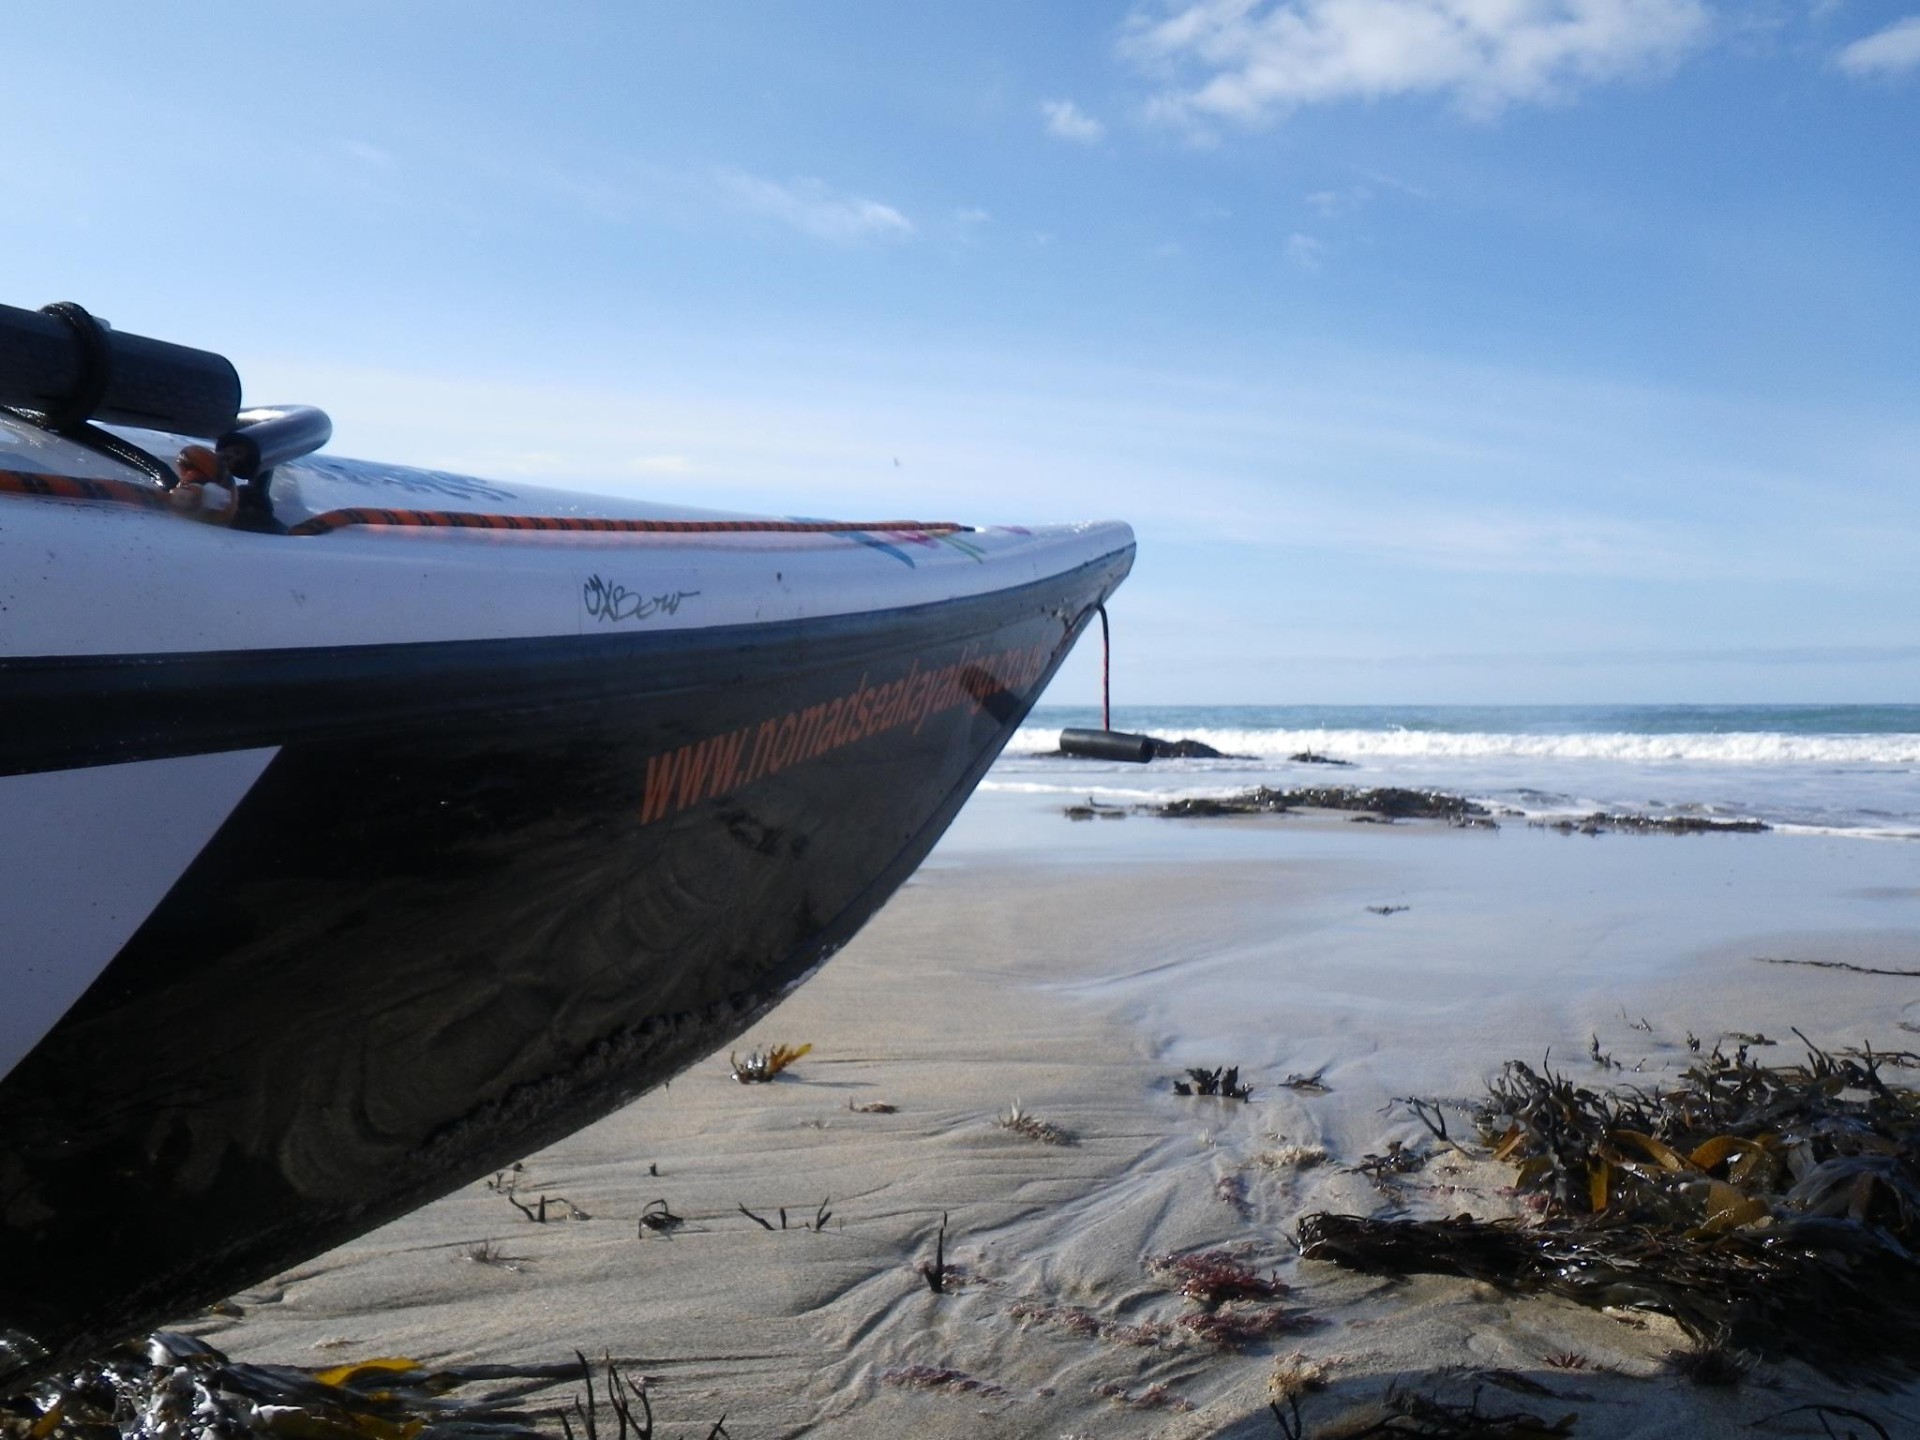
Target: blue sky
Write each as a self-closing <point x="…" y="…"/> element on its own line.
<point x="1438" y="350"/>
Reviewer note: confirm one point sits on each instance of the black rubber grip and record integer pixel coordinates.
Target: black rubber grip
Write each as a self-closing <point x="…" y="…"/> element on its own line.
<point x="45" y="363"/>
<point x="1106" y="745"/>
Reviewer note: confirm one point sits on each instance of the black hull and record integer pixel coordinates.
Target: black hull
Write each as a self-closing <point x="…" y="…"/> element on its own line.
<point x="484" y="894"/>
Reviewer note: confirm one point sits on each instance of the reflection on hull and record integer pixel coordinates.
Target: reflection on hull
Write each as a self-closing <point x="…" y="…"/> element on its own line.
<point x="483" y="894"/>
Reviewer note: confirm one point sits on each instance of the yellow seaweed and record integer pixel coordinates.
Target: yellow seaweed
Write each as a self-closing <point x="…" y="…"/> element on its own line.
<point x="759" y="1067"/>
<point x="1712" y="1152"/>
<point x="362" y="1369"/>
<point x="1531" y="1170"/>
<point x="1510" y="1142"/>
<point x="1658" y="1151"/>
<point x="1758" y="1169"/>
<point x="1729" y="1209"/>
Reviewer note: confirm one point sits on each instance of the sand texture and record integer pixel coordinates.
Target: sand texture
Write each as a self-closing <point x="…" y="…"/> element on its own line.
<point x="1078" y="970"/>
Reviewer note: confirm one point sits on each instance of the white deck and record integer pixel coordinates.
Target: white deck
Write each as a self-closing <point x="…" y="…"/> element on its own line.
<point x="92" y="578"/>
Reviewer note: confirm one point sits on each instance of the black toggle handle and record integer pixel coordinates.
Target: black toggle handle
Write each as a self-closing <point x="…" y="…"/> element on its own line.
<point x="73" y="368"/>
<point x="1107" y="745"/>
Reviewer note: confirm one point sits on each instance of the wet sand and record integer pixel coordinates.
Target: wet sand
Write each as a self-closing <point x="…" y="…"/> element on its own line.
<point x="1078" y="968"/>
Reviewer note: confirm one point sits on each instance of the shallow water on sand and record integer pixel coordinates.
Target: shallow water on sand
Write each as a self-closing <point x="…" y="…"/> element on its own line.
<point x="1494" y="945"/>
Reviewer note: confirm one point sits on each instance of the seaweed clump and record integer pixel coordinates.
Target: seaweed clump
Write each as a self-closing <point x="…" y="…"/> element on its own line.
<point x="1771" y="1209"/>
<point x="761" y="1066"/>
<point x="1224" y="1082"/>
<point x="174" y="1385"/>
<point x="1213" y="1276"/>
<point x="1391" y="802"/>
<point x="941" y="1379"/>
<point x="1407" y="1413"/>
<point x="1260" y="801"/>
<point x="1602" y="821"/>
<point x="1217" y="1281"/>
<point x="1025" y="1123"/>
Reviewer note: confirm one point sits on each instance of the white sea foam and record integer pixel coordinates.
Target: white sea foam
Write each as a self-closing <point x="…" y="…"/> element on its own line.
<point x="1758" y="748"/>
<point x="1121" y="792"/>
<point x="1852" y="832"/>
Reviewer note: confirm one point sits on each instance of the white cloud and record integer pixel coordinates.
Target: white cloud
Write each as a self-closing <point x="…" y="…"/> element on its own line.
<point x="1332" y="204"/>
<point x="1067" y="121"/>
<point x="1892" y="51"/>
<point x="1305" y="251"/>
<point x="1252" y="60"/>
<point x="815" y="209"/>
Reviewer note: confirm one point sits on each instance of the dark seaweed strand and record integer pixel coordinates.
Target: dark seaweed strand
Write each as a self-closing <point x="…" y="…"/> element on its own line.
<point x="1828" y="1156"/>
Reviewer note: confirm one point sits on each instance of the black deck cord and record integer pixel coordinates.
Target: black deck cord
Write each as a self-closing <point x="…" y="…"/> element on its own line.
<point x="1106" y="673"/>
<point x="69" y="418"/>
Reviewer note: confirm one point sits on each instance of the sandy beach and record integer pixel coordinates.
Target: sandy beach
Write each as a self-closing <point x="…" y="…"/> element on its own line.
<point x="1078" y="969"/>
<point x="570" y="533"/>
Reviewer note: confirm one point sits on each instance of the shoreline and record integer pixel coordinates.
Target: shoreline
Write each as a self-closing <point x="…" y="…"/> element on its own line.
<point x="1849" y="770"/>
<point x="1079" y="970"/>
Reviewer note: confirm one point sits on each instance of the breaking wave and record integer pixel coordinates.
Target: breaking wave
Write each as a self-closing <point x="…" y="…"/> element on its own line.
<point x="1759" y="748"/>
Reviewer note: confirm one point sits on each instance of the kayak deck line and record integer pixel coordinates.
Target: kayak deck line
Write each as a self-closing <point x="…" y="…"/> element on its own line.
<point x="469" y="520"/>
<point x="73" y="487"/>
<point x="127" y="492"/>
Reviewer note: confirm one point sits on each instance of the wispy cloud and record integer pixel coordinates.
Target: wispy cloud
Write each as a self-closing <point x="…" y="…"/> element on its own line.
<point x="1892" y="51"/>
<point x="815" y="208"/>
<point x="1251" y="61"/>
<point x="1067" y="121"/>
<point x="1305" y="251"/>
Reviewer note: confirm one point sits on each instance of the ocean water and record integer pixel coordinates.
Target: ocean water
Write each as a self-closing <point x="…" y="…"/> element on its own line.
<point x="1840" y="769"/>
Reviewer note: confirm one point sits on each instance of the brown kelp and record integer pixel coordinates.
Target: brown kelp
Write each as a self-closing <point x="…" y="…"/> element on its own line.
<point x="817" y="1224"/>
<point x="1221" y="1081"/>
<point x="761" y="1066"/>
<point x="1261" y="801"/>
<point x="1772" y="1209"/>
<point x="1391" y="801"/>
<point x="1030" y="1126"/>
<point x="547" y="1207"/>
<point x="936" y="1272"/>
<point x="658" y="1217"/>
<point x="1601" y="821"/>
<point x="1408" y="1414"/>
<point x="170" y="1386"/>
